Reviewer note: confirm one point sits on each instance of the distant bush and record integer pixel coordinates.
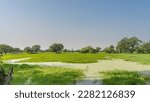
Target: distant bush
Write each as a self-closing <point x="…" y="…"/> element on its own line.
<point x="89" y="49"/>
<point x="33" y="50"/>
<point x="110" y="49"/>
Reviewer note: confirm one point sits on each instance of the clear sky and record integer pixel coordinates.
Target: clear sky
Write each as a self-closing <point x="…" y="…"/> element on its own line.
<point x="75" y="23"/>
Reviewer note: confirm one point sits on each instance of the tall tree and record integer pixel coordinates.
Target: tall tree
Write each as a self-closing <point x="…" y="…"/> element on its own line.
<point x="128" y="45"/>
<point x="27" y="49"/>
<point x="36" y="48"/>
<point x="122" y="45"/>
<point x="5" y="49"/>
<point x="133" y="44"/>
<point x="56" y="47"/>
<point x="110" y="49"/>
<point x="146" y="47"/>
<point x="17" y="50"/>
<point x="97" y="49"/>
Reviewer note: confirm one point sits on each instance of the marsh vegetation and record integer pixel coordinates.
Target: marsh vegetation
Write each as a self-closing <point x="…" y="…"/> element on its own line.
<point x="43" y="75"/>
<point x="121" y="77"/>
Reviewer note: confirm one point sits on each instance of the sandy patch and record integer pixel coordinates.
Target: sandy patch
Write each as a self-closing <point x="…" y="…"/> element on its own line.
<point x="13" y="61"/>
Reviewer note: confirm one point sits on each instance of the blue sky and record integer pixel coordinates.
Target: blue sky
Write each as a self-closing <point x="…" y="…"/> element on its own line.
<point x="75" y="23"/>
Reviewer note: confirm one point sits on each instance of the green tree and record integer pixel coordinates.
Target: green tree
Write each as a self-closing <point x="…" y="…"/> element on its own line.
<point x="122" y="45"/>
<point x="1" y="58"/>
<point x="140" y="49"/>
<point x="1" y="52"/>
<point x="97" y="49"/>
<point x="36" y="48"/>
<point x="128" y="45"/>
<point x="110" y="49"/>
<point x="133" y="44"/>
<point x="146" y="47"/>
<point x="56" y="47"/>
<point x="17" y="50"/>
<point x="87" y="49"/>
<point x="27" y="49"/>
<point x="66" y="50"/>
<point x="5" y="49"/>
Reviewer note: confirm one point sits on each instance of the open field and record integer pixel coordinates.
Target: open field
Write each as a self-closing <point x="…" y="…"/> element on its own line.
<point x="38" y="75"/>
<point x="71" y="67"/>
<point x="52" y="57"/>
<point x="78" y="57"/>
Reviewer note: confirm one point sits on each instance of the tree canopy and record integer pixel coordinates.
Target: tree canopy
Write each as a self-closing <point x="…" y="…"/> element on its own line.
<point x="36" y="48"/>
<point x="128" y="45"/>
<point x="89" y="49"/>
<point x="56" y="47"/>
<point x="110" y="49"/>
<point x="144" y="48"/>
<point x="125" y="45"/>
<point x="5" y="49"/>
<point x="33" y="49"/>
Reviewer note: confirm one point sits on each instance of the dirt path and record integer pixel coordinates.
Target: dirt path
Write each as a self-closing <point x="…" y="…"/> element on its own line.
<point x="91" y="70"/>
<point x="13" y="61"/>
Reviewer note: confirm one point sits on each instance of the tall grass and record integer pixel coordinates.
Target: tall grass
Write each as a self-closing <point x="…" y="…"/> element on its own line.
<point x="118" y="77"/>
<point x="37" y="75"/>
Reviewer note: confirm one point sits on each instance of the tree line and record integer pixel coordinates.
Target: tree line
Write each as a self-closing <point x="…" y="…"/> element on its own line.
<point x="125" y="45"/>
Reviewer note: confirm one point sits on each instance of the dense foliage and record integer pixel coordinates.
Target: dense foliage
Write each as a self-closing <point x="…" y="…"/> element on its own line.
<point x="56" y="47"/>
<point x="128" y="45"/>
<point x="90" y="49"/>
<point x="34" y="49"/>
<point x="125" y="45"/>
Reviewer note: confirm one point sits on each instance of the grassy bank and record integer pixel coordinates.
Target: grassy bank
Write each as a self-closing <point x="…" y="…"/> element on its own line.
<point x="78" y="57"/>
<point x="140" y="58"/>
<point x="37" y="75"/>
<point x="118" y="77"/>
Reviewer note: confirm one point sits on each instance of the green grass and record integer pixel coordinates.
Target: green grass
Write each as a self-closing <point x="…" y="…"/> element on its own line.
<point x="140" y="58"/>
<point x="37" y="75"/>
<point x="78" y="57"/>
<point x="52" y="57"/>
<point x="118" y="77"/>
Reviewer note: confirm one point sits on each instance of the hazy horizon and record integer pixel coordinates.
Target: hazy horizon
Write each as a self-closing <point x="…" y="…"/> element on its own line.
<point x="75" y="23"/>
